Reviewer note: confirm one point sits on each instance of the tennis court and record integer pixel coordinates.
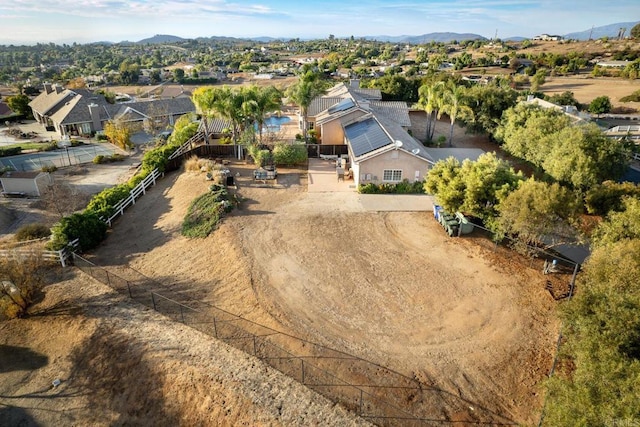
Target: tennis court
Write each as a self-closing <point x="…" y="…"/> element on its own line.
<point x="59" y="158"/>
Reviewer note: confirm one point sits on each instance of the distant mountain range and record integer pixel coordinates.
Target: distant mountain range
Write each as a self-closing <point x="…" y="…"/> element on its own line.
<point x="610" y="31"/>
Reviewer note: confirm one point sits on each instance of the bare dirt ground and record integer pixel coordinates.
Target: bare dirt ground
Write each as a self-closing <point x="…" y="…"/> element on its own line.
<point x="119" y="363"/>
<point x="387" y="287"/>
<point x="587" y="88"/>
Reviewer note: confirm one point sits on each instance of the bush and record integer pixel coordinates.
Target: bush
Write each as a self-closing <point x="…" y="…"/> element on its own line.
<point x="609" y="196"/>
<point x="289" y="154"/>
<point x="85" y="226"/>
<point x="76" y="143"/>
<point x="49" y="146"/>
<point x="102" y="203"/>
<point x="49" y="168"/>
<point x="205" y="212"/>
<point x="10" y="151"/>
<point x="32" y="231"/>
<point x="404" y="187"/>
<point x="101" y="137"/>
<point x="26" y="278"/>
<point x="99" y="159"/>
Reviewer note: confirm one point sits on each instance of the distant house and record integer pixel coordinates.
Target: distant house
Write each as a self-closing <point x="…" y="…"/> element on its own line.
<point x="548" y="38"/>
<point x="25" y="183"/>
<point x="613" y="64"/>
<point x="570" y="110"/>
<point x="80" y="112"/>
<point x="5" y="111"/>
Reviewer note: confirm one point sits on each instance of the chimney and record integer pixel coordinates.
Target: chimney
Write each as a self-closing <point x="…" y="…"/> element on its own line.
<point x="58" y="88"/>
<point x="94" y="110"/>
<point x="47" y="88"/>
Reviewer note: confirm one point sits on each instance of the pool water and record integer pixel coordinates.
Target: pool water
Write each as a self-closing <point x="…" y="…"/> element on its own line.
<point x="273" y="123"/>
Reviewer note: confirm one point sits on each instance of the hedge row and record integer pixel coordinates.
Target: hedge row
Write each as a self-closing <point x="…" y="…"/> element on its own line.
<point x="404" y="187"/>
<point x="88" y="225"/>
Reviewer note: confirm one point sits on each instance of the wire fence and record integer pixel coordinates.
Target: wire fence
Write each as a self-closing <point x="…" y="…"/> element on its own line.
<point x="380" y="395"/>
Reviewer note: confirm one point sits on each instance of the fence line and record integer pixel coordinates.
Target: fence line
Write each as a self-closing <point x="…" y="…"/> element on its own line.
<point x="62" y="256"/>
<point x="381" y="395"/>
<point x="136" y="192"/>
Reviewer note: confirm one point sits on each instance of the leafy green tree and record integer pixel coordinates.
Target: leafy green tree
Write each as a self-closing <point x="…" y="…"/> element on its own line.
<point x="635" y="31"/>
<point x="488" y="103"/>
<point x="538" y="79"/>
<point x="609" y="196"/>
<point x="472" y="187"/>
<point x="430" y="100"/>
<point x="178" y="75"/>
<point x="619" y="225"/>
<point x="539" y="213"/>
<point x="600" y="105"/>
<point x="118" y="133"/>
<point x="19" y="104"/>
<point x="564" y="98"/>
<point x="597" y="380"/>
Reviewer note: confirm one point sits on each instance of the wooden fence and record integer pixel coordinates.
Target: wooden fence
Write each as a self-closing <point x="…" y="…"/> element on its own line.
<point x="137" y="191"/>
<point x="62" y="256"/>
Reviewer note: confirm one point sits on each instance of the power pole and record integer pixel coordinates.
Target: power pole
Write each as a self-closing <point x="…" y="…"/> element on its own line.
<point x="591" y="32"/>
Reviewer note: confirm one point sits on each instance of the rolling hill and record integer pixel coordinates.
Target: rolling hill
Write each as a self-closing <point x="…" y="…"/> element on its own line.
<point x="610" y="31"/>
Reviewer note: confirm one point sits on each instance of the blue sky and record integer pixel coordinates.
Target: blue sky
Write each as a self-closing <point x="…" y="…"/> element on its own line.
<point x="82" y="21"/>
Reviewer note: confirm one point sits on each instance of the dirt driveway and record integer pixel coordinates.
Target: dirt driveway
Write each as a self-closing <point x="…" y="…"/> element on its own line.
<point x="388" y="287"/>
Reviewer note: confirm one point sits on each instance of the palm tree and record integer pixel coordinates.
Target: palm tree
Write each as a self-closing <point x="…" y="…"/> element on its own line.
<point x="431" y="100"/>
<point x="264" y="100"/>
<point x="303" y="92"/>
<point x="453" y="105"/>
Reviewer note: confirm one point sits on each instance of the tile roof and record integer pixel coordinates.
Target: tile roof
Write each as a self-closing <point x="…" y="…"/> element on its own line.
<point x="214" y="125"/>
<point x="321" y="104"/>
<point x="395" y="110"/>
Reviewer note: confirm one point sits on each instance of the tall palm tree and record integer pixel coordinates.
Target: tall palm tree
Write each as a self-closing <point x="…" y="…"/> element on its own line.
<point x="453" y="105"/>
<point x="268" y="98"/>
<point x="303" y="92"/>
<point x="430" y="100"/>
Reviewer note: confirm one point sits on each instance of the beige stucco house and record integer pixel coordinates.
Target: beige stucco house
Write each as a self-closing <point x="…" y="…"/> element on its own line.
<point x="80" y="112"/>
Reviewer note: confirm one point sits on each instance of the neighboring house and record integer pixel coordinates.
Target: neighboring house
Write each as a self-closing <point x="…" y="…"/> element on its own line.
<point x="80" y="112"/>
<point x="569" y="110"/>
<point x="25" y="183"/>
<point x="548" y="38"/>
<point x="5" y="111"/>
<point x="613" y="64"/>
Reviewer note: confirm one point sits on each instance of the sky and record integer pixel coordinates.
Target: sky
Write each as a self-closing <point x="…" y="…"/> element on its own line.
<point x="84" y="21"/>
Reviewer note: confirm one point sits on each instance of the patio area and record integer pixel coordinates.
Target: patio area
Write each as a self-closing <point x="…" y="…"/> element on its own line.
<point x="323" y="178"/>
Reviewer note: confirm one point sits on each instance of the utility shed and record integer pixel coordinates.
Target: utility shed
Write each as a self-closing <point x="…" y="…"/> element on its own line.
<point x="24" y="183"/>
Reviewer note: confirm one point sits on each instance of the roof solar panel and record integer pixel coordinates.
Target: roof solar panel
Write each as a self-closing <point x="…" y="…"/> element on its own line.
<point x="343" y="105"/>
<point x="366" y="136"/>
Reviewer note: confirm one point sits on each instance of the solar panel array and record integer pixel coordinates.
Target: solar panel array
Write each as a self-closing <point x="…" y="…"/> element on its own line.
<point x="366" y="136"/>
<point x="343" y="105"/>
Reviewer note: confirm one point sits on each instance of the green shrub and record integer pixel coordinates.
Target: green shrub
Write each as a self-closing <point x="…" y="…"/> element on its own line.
<point x="32" y="231"/>
<point x="289" y="154"/>
<point x="76" y="143"/>
<point x="99" y="159"/>
<point x="116" y="157"/>
<point x="85" y="226"/>
<point x="12" y="151"/>
<point x="49" y="146"/>
<point x="101" y="137"/>
<point x="49" y="168"/>
<point x="403" y="187"/>
<point x="102" y="203"/>
<point x="203" y="215"/>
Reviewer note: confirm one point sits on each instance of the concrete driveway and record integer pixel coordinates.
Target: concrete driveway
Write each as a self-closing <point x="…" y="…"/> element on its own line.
<point x="323" y="184"/>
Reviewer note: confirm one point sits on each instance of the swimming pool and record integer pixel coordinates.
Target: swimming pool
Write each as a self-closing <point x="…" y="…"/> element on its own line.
<point x="273" y="123"/>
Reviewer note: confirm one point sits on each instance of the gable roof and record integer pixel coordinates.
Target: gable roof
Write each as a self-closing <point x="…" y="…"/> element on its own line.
<point x="5" y="110"/>
<point x="373" y="135"/>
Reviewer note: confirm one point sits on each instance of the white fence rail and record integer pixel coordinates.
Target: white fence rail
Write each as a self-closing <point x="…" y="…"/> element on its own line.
<point x="62" y="256"/>
<point x="137" y="191"/>
<point x="191" y="143"/>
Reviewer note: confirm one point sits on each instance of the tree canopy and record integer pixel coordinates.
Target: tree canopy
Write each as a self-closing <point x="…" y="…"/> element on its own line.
<point x="472" y="187"/>
<point x="578" y="155"/>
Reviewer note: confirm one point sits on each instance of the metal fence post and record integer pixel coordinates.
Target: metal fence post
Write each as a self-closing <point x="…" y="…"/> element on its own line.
<point x="129" y="288"/>
<point x="154" y="302"/>
<point x="254" y="345"/>
<point x="302" y="370"/>
<point x="361" y="401"/>
<point x="215" y="327"/>
<point x="108" y="279"/>
<point x="182" y="313"/>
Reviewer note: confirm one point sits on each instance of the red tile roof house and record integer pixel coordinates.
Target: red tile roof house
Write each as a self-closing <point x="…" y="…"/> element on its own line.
<point x="80" y="112"/>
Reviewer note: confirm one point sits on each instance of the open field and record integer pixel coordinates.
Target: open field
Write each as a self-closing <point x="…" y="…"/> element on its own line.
<point x="387" y="287"/>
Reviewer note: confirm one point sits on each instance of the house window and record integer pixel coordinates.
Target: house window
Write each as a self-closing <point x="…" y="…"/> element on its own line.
<point x="394" y="175"/>
<point x="85" y="128"/>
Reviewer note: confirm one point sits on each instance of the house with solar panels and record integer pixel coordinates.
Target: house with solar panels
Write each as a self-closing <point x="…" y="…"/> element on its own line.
<point x="380" y="149"/>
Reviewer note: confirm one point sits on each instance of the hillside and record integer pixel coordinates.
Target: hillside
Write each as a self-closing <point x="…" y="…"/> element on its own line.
<point x="610" y="31"/>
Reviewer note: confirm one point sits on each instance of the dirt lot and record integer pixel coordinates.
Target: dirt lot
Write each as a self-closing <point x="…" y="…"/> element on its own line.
<point x="387" y="287"/>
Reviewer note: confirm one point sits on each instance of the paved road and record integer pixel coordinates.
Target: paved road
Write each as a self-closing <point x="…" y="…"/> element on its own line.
<point x="60" y="158"/>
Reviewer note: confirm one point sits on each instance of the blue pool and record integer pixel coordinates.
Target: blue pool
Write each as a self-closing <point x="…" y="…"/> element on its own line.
<point x="273" y="123"/>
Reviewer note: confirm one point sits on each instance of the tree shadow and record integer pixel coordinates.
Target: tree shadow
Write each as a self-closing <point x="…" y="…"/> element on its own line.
<point x="20" y="359"/>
